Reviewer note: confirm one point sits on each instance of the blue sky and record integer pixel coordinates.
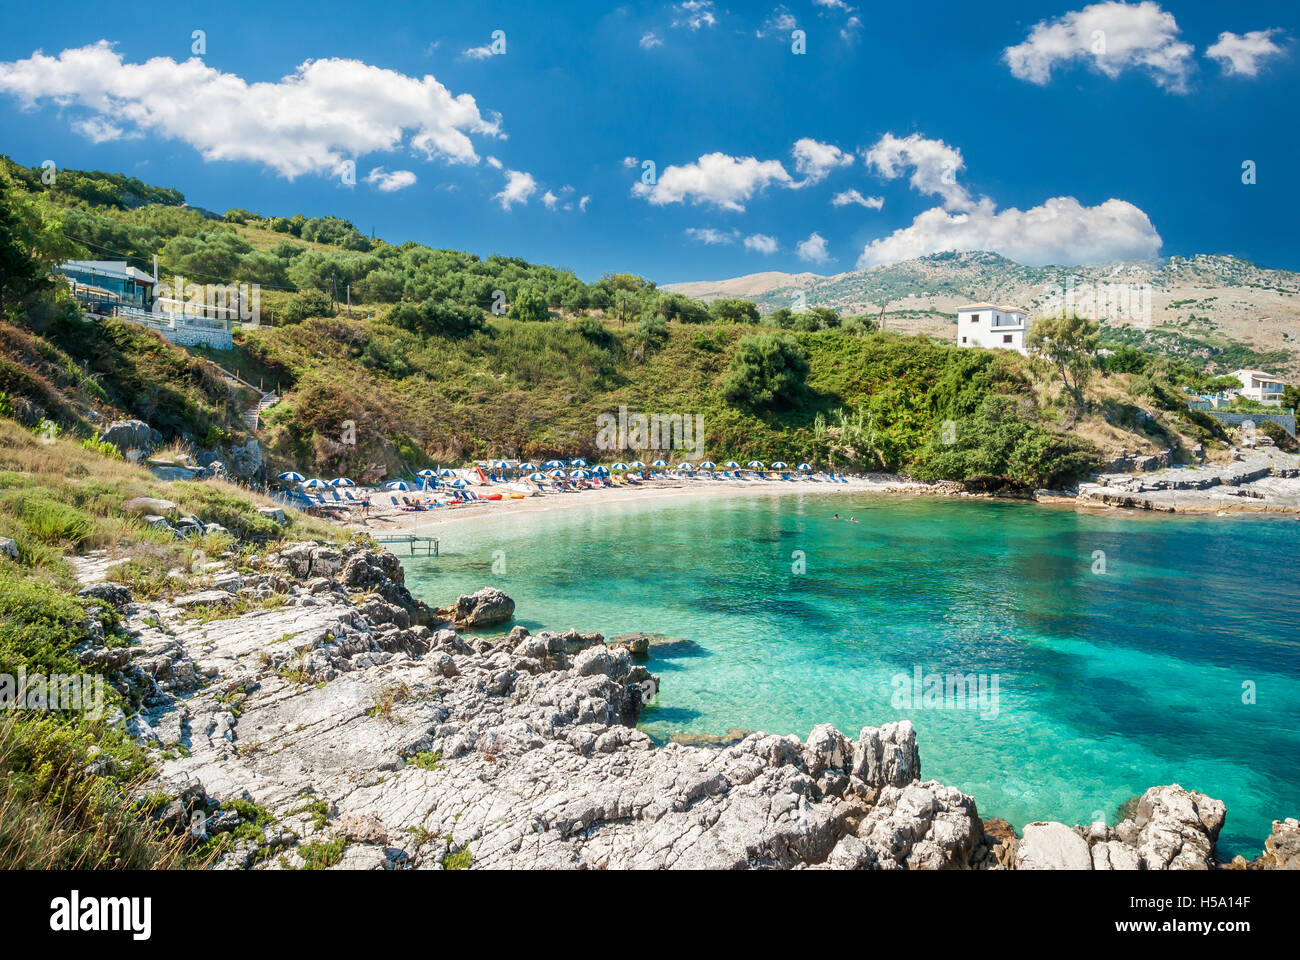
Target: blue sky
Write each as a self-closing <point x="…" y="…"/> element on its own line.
<point x="1115" y="129"/>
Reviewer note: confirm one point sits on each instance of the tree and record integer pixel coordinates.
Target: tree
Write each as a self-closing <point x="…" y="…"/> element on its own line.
<point x="529" y="305"/>
<point x="1068" y="343"/>
<point x="733" y="310"/>
<point x="768" y="370"/>
<point x="31" y="243"/>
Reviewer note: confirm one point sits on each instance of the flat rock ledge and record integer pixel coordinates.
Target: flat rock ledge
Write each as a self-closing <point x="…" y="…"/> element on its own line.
<point x="397" y="745"/>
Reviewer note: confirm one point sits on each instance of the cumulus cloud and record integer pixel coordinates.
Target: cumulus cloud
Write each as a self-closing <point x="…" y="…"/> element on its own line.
<point x="761" y="243"/>
<point x="695" y="14"/>
<point x="710" y="236"/>
<point x="650" y="40"/>
<point x="725" y="182"/>
<point x="314" y="120"/>
<point x="629" y="162"/>
<point x="1243" y="54"/>
<point x="387" y="182"/>
<point x="816" y="160"/>
<point x="550" y="200"/>
<point x="1113" y="37"/>
<point x="1060" y="231"/>
<point x="519" y="187"/>
<point x="494" y="163"/>
<point x="853" y="196"/>
<point x="933" y="163"/>
<point x="779" y="24"/>
<point x="582" y="203"/>
<point x="813" y="249"/>
<point x="99" y="129"/>
<point x="477" y="53"/>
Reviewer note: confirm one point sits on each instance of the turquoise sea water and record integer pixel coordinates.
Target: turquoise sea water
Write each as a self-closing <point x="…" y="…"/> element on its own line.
<point x="1107" y="683"/>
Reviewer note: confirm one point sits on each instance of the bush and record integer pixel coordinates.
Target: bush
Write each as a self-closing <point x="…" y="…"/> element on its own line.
<point x="309" y="303"/>
<point x="767" y="370"/>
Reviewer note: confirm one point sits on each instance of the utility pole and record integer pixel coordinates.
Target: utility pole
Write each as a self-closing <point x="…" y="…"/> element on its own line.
<point x="349" y="301"/>
<point x="334" y="294"/>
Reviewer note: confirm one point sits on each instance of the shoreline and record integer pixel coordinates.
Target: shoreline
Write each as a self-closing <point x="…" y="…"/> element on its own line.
<point x="1247" y="488"/>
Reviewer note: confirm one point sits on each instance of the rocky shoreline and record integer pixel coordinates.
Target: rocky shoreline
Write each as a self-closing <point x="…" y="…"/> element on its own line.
<point x="349" y="726"/>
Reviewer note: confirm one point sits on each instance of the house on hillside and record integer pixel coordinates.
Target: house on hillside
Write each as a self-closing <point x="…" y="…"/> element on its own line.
<point x="104" y="284"/>
<point x="1259" y="386"/>
<point x="992" y="327"/>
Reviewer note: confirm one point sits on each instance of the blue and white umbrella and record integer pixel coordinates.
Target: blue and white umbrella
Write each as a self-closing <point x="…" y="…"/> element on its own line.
<point x="685" y="466"/>
<point x="553" y="464"/>
<point x="500" y="465"/>
<point x="314" y="484"/>
<point x="537" y="477"/>
<point x="558" y="474"/>
<point x="731" y="465"/>
<point x="580" y="475"/>
<point x="426" y="473"/>
<point x="527" y="466"/>
<point x="600" y="471"/>
<point x="619" y="466"/>
<point x="578" y="463"/>
<point x="659" y="463"/>
<point x="341" y="482"/>
<point x="708" y="465"/>
<point x="292" y="477"/>
<point x="780" y="465"/>
<point x="397" y="485"/>
<point x="806" y="467"/>
<point x="458" y="483"/>
<point x="756" y="464"/>
<point x="638" y="465"/>
<point x="444" y="472"/>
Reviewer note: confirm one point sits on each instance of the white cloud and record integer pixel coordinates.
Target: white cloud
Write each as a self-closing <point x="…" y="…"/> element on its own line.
<point x="816" y="160"/>
<point x="813" y="249"/>
<point x="650" y="40"/>
<point x="629" y="162"/>
<point x="779" y="24"/>
<point x="550" y="200"/>
<point x="99" y="129"/>
<point x="1060" y="231"/>
<point x="519" y="187"/>
<point x="314" y="120"/>
<point x="1114" y="37"/>
<point x="761" y="243"/>
<point x="387" y="182"/>
<point x="833" y="4"/>
<point x="853" y="196"/>
<point x="934" y="166"/>
<point x="582" y="204"/>
<point x="1242" y="54"/>
<point x="477" y="53"/>
<point x="494" y="163"/>
<point x="694" y="14"/>
<point x="710" y="236"/>
<point x="849" y="31"/>
<point x="724" y="181"/>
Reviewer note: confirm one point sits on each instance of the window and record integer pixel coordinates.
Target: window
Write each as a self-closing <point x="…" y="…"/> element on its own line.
<point x="1006" y="338"/>
<point x="974" y="318"/>
<point x="963" y="339"/>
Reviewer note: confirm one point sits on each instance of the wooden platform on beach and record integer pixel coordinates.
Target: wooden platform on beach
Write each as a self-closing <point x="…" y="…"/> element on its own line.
<point x="430" y="543"/>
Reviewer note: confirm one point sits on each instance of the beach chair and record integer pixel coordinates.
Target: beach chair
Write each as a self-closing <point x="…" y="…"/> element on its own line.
<point x="401" y="506"/>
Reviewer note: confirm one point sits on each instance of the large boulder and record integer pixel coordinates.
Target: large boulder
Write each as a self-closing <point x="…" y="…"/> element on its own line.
<point x="1178" y="828"/>
<point x="149" y="505"/>
<point x="9" y="548"/>
<point x="128" y="435"/>
<point x="114" y="594"/>
<point x="1052" y="846"/>
<point x="246" y="459"/>
<point x="887" y="755"/>
<point x="486" y="608"/>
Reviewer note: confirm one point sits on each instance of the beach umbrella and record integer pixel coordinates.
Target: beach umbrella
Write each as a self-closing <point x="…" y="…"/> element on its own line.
<point x="805" y="467"/>
<point x="756" y="464"/>
<point x="780" y="465"/>
<point x="600" y="471"/>
<point x="458" y="483"/>
<point x="708" y="465"/>
<point x="659" y="463"/>
<point x="619" y="466"/>
<point x="500" y="465"/>
<point x="685" y="466"/>
<point x="558" y="474"/>
<point x="444" y="472"/>
<point x="341" y="482"/>
<point x="638" y="465"/>
<point x="426" y="473"/>
<point x="527" y="466"/>
<point x="314" y="484"/>
<point x="553" y="464"/>
<point x="537" y="477"/>
<point x="580" y="475"/>
<point x="292" y="477"/>
<point x="731" y="464"/>
<point x="578" y="463"/>
<point x="397" y="485"/>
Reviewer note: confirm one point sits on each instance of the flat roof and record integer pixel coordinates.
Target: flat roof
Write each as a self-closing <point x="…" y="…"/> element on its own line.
<point x="988" y="306"/>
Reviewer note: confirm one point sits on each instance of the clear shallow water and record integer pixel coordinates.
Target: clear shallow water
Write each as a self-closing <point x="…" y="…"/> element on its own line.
<point x="1107" y="684"/>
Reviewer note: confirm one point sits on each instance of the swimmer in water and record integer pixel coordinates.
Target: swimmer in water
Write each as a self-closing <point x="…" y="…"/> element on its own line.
<point x="836" y="517"/>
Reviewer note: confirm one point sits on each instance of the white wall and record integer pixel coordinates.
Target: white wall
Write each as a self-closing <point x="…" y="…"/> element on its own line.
<point x="992" y="329"/>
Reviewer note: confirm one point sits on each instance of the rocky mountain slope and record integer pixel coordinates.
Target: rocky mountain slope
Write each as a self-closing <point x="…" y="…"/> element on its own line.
<point x="1217" y="300"/>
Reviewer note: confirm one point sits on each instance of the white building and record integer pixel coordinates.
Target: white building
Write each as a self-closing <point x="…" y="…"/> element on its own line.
<point x="1259" y="386"/>
<point x="992" y="327"/>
